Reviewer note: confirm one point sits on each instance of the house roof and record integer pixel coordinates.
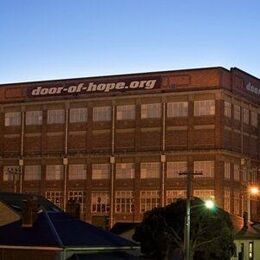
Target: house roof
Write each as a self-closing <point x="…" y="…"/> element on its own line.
<point x="121" y="227"/>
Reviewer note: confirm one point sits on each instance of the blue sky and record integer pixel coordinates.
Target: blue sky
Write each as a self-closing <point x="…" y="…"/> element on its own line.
<point x="51" y="39"/>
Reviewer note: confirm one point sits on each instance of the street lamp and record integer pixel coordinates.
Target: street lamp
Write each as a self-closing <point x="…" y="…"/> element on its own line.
<point x="253" y="190"/>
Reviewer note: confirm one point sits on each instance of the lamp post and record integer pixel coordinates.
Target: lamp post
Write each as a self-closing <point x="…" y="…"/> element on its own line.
<point x="253" y="190"/>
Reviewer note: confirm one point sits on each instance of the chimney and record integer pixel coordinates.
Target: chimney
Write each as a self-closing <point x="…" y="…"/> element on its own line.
<point x="245" y="218"/>
<point x="73" y="208"/>
<point x="29" y="213"/>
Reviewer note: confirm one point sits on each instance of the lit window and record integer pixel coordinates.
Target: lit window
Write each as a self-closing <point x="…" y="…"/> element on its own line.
<point x="227" y="199"/>
<point x="149" y="200"/>
<point x="237" y="112"/>
<point x="174" y="168"/>
<point x="226" y="170"/>
<point x="33" y="118"/>
<point x="236" y="202"/>
<point x="125" y="170"/>
<point x="204" y="107"/>
<point x="102" y="113"/>
<point x="78" y="115"/>
<point x="55" y="116"/>
<point x="77" y="172"/>
<point x="246" y="116"/>
<point x="177" y="109"/>
<point x="124" y="201"/>
<point x="251" y="251"/>
<point x="254" y="120"/>
<point x="236" y="172"/>
<point x="206" y="167"/>
<point x="54" y="172"/>
<point x="56" y="197"/>
<point x="100" y="171"/>
<point x="173" y="195"/>
<point x="32" y="172"/>
<point x="150" y="170"/>
<point x="204" y="194"/>
<point x="227" y="109"/>
<point x="151" y="110"/>
<point x="125" y="112"/>
<point x="9" y="172"/>
<point x="100" y="202"/>
<point x="12" y="118"/>
<point x="79" y="197"/>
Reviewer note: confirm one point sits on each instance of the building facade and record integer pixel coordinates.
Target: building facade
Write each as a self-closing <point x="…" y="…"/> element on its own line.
<point x="116" y="144"/>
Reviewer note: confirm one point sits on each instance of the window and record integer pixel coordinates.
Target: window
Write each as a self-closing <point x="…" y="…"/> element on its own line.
<point x="55" y="197"/>
<point x="55" y="116"/>
<point x="173" y="195"/>
<point x="124" y="201"/>
<point x="174" y="168"/>
<point x="254" y="120"/>
<point x="79" y="197"/>
<point x="100" y="171"/>
<point x="236" y="202"/>
<point x="246" y="116"/>
<point x="149" y="200"/>
<point x="54" y="172"/>
<point x="9" y="172"/>
<point x="206" y="167"/>
<point x="227" y="199"/>
<point x="151" y="110"/>
<point x="77" y="171"/>
<point x="12" y="118"/>
<point x="251" y="250"/>
<point x="125" y="170"/>
<point x="150" y="170"/>
<point x="125" y="112"/>
<point x="33" y="118"/>
<point x="237" y="112"/>
<point x="227" y="109"/>
<point x="100" y="202"/>
<point x="102" y="113"/>
<point x="204" y="194"/>
<point x="32" y="172"/>
<point x="227" y="170"/>
<point x="177" y="109"/>
<point x="78" y="115"/>
<point x="204" y="107"/>
<point x="236" y="172"/>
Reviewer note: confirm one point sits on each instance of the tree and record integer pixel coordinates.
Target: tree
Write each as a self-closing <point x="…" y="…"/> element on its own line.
<point x="161" y="232"/>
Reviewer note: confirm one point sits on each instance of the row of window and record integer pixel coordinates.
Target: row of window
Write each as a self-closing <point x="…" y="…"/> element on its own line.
<point x="104" y="113"/>
<point x="102" y="171"/>
<point x="237" y="110"/>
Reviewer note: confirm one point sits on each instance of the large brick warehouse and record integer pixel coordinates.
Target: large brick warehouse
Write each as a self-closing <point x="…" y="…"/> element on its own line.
<point x="117" y="143"/>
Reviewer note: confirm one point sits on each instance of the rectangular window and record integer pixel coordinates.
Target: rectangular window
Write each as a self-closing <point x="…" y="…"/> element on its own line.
<point x="125" y="170"/>
<point x="174" y="168"/>
<point x="79" y="197"/>
<point x="100" y="171"/>
<point x="206" y="167"/>
<point x="227" y="199"/>
<point x="236" y="203"/>
<point x="237" y="112"/>
<point x="12" y="118"/>
<point x="101" y="113"/>
<point x="54" y="172"/>
<point x="149" y="200"/>
<point x="78" y="115"/>
<point x="55" y="116"/>
<point x="254" y="120"/>
<point x="177" y="109"/>
<point x="227" y="109"/>
<point x="56" y="197"/>
<point x="251" y="250"/>
<point x="125" y="112"/>
<point x="100" y="202"/>
<point x="32" y="172"/>
<point x="246" y="116"/>
<point x="150" y="170"/>
<point x="33" y="118"/>
<point x="173" y="195"/>
<point x="124" y="201"/>
<point x="204" y="194"/>
<point x="77" y="171"/>
<point x="236" y="172"/>
<point x="9" y="172"/>
<point x="204" y="107"/>
<point x="227" y="170"/>
<point x="151" y="110"/>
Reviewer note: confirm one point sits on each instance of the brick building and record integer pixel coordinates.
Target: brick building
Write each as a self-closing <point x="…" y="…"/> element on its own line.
<point x="119" y="142"/>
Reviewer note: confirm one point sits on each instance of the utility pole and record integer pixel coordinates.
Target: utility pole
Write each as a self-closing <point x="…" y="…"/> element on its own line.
<point x="187" y="216"/>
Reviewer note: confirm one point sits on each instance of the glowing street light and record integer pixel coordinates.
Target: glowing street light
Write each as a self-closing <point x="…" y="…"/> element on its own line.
<point x="210" y="204"/>
<point x="254" y="190"/>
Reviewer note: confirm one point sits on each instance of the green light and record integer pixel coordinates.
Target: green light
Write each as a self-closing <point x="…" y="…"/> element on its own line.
<point x="209" y="204"/>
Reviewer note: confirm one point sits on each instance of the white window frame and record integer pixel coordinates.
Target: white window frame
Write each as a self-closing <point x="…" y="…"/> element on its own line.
<point x="227" y="109"/>
<point x="174" y="168"/>
<point x="149" y="170"/>
<point x="56" y="197"/>
<point x="32" y="172"/>
<point x="125" y="170"/>
<point x="55" y="116"/>
<point x="125" y="112"/>
<point x="124" y="201"/>
<point x="33" y="117"/>
<point x="173" y="195"/>
<point x="227" y="170"/>
<point x="100" y="171"/>
<point x="100" y="202"/>
<point x="54" y="172"/>
<point x="77" y="171"/>
<point x="102" y="113"/>
<point x="245" y="116"/>
<point x="78" y="196"/>
<point x="237" y="112"/>
<point x="78" y="115"/>
<point x="177" y="109"/>
<point x="149" y="199"/>
<point x="204" y="107"/>
<point x="12" y="118"/>
<point x="151" y="110"/>
<point x="206" y="167"/>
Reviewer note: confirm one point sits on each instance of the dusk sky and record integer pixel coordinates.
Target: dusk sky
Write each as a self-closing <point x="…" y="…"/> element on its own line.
<point x="55" y="39"/>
